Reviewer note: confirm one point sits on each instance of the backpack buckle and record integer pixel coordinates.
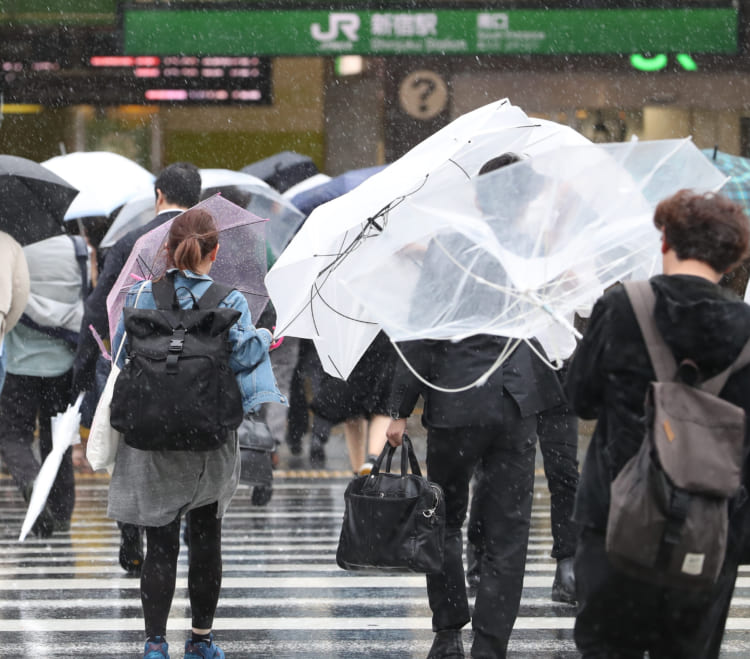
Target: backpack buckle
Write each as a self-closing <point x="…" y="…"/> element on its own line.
<point x="176" y="344"/>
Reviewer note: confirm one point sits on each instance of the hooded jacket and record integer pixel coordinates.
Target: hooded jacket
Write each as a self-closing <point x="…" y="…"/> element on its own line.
<point x="611" y="371"/>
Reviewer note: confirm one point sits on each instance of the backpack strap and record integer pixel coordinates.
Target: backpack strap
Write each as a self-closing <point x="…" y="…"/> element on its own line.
<point x="642" y="299"/>
<point x="82" y="256"/>
<point x="165" y="294"/>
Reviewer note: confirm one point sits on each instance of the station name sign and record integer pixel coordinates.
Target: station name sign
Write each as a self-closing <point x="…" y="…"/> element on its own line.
<point x="191" y="30"/>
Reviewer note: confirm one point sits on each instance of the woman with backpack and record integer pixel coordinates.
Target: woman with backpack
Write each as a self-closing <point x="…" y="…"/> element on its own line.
<point x="156" y="488"/>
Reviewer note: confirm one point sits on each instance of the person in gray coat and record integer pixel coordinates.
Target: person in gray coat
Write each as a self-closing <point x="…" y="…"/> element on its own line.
<point x="40" y="351"/>
<point x="14" y="290"/>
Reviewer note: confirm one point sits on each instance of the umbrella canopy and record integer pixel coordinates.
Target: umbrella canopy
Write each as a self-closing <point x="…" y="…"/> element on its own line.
<point x="518" y="250"/>
<point x="283" y="170"/>
<point x="307" y="184"/>
<point x="308" y="200"/>
<point x="106" y="181"/>
<point x="33" y="200"/>
<point x="241" y="262"/>
<point x="737" y="168"/>
<point x="244" y="190"/>
<point x="306" y="282"/>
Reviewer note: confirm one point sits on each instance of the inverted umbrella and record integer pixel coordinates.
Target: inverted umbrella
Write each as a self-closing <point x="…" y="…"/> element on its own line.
<point x="305" y="284"/>
<point x="520" y="249"/>
<point x="33" y="200"/>
<point x="241" y="261"/>
<point x="106" y="180"/>
<point x="65" y="433"/>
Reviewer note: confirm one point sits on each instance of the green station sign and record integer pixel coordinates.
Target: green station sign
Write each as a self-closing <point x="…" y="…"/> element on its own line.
<point x="156" y="30"/>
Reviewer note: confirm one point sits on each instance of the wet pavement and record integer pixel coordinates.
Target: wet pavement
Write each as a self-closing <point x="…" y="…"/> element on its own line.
<point x="283" y="595"/>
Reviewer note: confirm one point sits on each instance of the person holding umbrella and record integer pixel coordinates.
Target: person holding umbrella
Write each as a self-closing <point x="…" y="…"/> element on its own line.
<point x="40" y="351"/>
<point x="156" y="488"/>
<point x="177" y="188"/>
<point x="14" y="290"/>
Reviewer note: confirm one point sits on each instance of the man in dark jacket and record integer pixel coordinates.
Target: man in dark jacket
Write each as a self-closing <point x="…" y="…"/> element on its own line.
<point x="177" y="188"/>
<point x="702" y="237"/>
<point x="493" y="424"/>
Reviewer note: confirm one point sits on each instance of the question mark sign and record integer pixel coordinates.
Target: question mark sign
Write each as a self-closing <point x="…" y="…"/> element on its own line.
<point x="427" y="89"/>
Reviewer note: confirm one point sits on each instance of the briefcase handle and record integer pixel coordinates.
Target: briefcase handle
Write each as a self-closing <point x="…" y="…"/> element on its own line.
<point x="407" y="453"/>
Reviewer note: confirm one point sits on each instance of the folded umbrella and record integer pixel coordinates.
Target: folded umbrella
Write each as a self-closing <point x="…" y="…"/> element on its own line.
<point x="65" y="433"/>
<point x="33" y="200"/>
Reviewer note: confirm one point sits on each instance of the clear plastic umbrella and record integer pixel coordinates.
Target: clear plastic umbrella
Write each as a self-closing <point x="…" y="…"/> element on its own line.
<point x="241" y="262"/>
<point x="105" y="180"/>
<point x="305" y="283"/>
<point x="520" y="249"/>
<point x="506" y="253"/>
<point x="65" y="433"/>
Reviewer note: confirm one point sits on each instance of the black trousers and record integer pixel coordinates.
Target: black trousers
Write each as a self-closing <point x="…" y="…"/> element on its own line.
<point x="621" y="618"/>
<point x="558" y="440"/>
<point x="506" y="454"/>
<point x="24" y="399"/>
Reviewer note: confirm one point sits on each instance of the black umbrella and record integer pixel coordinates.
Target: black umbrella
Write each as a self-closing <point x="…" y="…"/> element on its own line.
<point x="283" y="170"/>
<point x="33" y="200"/>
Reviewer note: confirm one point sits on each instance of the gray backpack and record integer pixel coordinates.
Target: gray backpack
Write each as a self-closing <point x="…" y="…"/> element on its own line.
<point x="668" y="513"/>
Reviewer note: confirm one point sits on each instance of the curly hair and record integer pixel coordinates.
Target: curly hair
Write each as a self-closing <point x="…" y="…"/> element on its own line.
<point x="706" y="227"/>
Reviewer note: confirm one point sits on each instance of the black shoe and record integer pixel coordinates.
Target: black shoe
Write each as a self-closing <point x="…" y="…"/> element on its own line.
<point x="317" y="452"/>
<point x="485" y="646"/>
<point x="564" y="584"/>
<point x="131" y="548"/>
<point x="295" y="444"/>
<point x="448" y="644"/>
<point x="261" y="495"/>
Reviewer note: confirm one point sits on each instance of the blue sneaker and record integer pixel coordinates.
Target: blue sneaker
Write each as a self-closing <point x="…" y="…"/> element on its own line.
<point x="203" y="650"/>
<point x="156" y="650"/>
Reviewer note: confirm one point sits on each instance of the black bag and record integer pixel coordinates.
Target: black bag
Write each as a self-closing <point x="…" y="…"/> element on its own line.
<point x="668" y="513"/>
<point x="256" y="445"/>
<point x="177" y="390"/>
<point x="393" y="521"/>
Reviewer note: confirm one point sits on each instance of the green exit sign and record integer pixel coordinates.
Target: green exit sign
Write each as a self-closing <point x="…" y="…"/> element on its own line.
<point x="156" y="30"/>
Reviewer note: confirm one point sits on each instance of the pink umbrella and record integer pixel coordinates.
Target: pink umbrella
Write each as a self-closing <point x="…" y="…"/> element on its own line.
<point x="241" y="262"/>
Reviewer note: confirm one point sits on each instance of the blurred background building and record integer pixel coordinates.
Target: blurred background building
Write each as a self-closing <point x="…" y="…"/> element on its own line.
<point x="358" y="83"/>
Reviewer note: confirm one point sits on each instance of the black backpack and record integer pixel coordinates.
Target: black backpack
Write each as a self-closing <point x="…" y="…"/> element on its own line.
<point x="177" y="391"/>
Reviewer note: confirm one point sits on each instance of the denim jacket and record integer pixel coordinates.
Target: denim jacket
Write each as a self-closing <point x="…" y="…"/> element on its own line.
<point x="250" y="359"/>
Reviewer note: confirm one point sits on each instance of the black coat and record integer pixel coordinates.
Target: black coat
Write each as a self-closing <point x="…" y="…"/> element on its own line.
<point x="610" y="371"/>
<point x="450" y="365"/>
<point x="95" y="309"/>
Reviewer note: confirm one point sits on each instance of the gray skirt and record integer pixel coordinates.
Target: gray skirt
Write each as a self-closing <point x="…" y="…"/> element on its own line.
<point x="151" y="488"/>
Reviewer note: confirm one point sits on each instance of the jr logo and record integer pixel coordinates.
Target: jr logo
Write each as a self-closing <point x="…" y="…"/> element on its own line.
<point x="348" y="24"/>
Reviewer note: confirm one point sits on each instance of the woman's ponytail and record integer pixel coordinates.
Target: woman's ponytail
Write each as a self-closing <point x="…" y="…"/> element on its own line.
<point x="192" y="236"/>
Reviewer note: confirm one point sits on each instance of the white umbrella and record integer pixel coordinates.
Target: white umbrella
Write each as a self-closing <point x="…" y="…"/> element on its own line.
<point x="305" y="284"/>
<point x="518" y="250"/>
<point x="65" y="433"/>
<point x="245" y="190"/>
<point x="106" y="181"/>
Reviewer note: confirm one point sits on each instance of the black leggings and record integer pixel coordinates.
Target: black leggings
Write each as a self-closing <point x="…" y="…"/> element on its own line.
<point x="204" y="570"/>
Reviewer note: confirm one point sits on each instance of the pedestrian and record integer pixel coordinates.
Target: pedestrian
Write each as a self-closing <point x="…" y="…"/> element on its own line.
<point x="14" y="290"/>
<point x="40" y="351"/>
<point x="155" y="489"/>
<point x="177" y="188"/>
<point x="702" y="236"/>
<point x="360" y="402"/>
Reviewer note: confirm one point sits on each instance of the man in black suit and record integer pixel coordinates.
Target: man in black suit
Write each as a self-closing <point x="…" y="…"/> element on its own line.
<point x="177" y="188"/>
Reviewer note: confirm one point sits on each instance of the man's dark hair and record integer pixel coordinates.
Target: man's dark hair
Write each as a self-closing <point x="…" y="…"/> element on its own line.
<point x="706" y="227"/>
<point x="499" y="161"/>
<point x="180" y="183"/>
